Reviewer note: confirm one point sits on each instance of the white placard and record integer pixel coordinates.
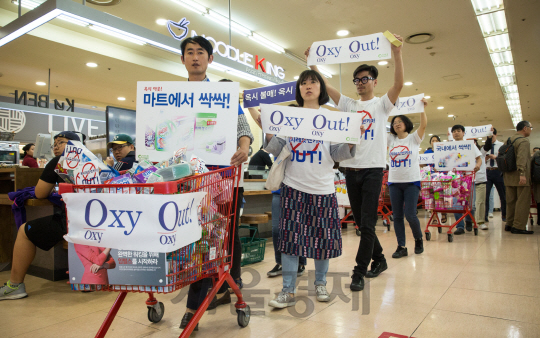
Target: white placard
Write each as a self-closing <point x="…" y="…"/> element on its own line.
<point x="314" y="124"/>
<point x="157" y="223"/>
<point x="473" y="132"/>
<point x="428" y="158"/>
<point x="458" y="155"/>
<point x="361" y="48"/>
<point x="201" y="116"/>
<point x="409" y="105"/>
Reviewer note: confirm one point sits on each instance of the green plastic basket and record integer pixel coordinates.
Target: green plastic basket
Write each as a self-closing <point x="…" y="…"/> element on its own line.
<point x="252" y="248"/>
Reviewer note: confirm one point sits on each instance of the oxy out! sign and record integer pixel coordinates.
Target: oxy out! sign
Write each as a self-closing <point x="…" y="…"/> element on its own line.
<point x="474" y="132"/>
<point x="157" y="223"/>
<point x="408" y="105"/>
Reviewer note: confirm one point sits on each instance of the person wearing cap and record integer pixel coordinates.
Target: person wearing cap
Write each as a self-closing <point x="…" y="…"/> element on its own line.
<point x="123" y="151"/>
<point x="42" y="232"/>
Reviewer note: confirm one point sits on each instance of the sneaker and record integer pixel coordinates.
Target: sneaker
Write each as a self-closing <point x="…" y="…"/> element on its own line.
<point x="301" y="269"/>
<point x="490" y="215"/>
<point x="322" y="294"/>
<point x="459" y="231"/>
<point x="376" y="269"/>
<point x="468" y="226"/>
<point x="186" y="319"/>
<point x="276" y="271"/>
<point x="283" y="300"/>
<point x="418" y="246"/>
<point x="357" y="283"/>
<point x="225" y="299"/>
<point x="9" y="291"/>
<point x="400" y="252"/>
<point x="483" y="226"/>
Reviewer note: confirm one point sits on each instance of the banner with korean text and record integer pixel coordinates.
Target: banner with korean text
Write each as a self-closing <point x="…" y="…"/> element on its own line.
<point x="409" y="105"/>
<point x="283" y="92"/>
<point x="201" y="116"/>
<point x="473" y="132"/>
<point x="314" y="124"/>
<point x="361" y="48"/>
<point x="156" y="223"/>
<point x="457" y="155"/>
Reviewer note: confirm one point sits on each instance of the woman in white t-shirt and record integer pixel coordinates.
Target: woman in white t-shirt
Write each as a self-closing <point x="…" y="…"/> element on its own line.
<point x="404" y="178"/>
<point x="309" y="223"/>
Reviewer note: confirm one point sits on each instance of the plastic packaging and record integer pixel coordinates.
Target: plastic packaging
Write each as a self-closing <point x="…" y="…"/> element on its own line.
<point x="175" y="171"/>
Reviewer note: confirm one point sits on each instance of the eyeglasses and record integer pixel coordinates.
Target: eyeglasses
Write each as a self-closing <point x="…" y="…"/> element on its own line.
<point x="115" y="149"/>
<point x="529" y="127"/>
<point x="57" y="145"/>
<point x="364" y="80"/>
<point x="396" y="123"/>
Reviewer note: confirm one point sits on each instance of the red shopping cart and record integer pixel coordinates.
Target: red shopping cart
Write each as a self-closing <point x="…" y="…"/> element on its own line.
<point x="193" y="262"/>
<point x="449" y="195"/>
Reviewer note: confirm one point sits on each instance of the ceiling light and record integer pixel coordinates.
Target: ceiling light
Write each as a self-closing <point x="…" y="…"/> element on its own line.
<point x="459" y="97"/>
<point x="502" y="58"/>
<point x="72" y="20"/>
<point x="510" y="89"/>
<point x="440" y="107"/>
<point x="117" y="35"/>
<point x="498" y="43"/>
<point x="192" y="5"/>
<point x="493" y="23"/>
<point x="224" y="21"/>
<point x="505" y="71"/>
<point x="382" y="63"/>
<point x="444" y="140"/>
<point x="506" y="80"/>
<point x="267" y="43"/>
<point x="30" y="26"/>
<point x="39" y="83"/>
<point x="408" y="83"/>
<point x="296" y="77"/>
<point x="161" y="22"/>
<point x="343" y="32"/>
<point x="91" y="64"/>
<point x="430" y="134"/>
<point x="427" y="97"/>
<point x="120" y="98"/>
<point x="27" y="3"/>
<point x="450" y="115"/>
<point x="483" y="6"/>
<point x="419" y="38"/>
<point x="325" y="72"/>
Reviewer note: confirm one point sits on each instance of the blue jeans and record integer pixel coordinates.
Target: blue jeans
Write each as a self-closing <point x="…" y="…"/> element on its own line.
<point x="290" y="270"/>
<point x="404" y="197"/>
<point x="461" y="225"/>
<point x="276" y="213"/>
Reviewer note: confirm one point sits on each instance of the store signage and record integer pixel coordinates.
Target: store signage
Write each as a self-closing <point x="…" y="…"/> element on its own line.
<point x="36" y="100"/>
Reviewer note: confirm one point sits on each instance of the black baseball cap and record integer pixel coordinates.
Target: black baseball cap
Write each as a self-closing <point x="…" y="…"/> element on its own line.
<point x="69" y="135"/>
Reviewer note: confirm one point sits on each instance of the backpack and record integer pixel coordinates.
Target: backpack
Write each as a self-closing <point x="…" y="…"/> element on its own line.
<point x="506" y="159"/>
<point x="535" y="170"/>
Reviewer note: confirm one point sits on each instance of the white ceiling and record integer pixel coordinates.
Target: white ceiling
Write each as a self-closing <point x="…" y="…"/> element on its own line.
<point x="458" y="48"/>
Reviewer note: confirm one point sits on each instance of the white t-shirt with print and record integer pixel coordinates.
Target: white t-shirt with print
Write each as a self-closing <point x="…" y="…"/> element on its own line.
<point x="403" y="155"/>
<point x="481" y="175"/>
<point x="310" y="168"/>
<point x="371" y="153"/>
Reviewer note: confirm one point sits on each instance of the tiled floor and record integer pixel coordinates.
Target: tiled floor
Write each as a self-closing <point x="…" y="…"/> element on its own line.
<point x="483" y="286"/>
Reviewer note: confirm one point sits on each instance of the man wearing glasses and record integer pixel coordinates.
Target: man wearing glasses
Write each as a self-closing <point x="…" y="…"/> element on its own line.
<point x="518" y="190"/>
<point x="364" y="173"/>
<point x="123" y="151"/>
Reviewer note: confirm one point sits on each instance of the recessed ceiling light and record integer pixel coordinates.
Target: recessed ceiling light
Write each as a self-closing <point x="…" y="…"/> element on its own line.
<point x="441" y="107"/>
<point x="161" y="22"/>
<point x="39" y="83"/>
<point x="445" y="140"/>
<point x="419" y="38"/>
<point x="296" y="77"/>
<point x="343" y="32"/>
<point x="408" y="83"/>
<point x="450" y="115"/>
<point x="427" y="97"/>
<point x="91" y="64"/>
<point x="382" y="63"/>
<point x="121" y="98"/>
<point x="94" y="107"/>
<point x="430" y="134"/>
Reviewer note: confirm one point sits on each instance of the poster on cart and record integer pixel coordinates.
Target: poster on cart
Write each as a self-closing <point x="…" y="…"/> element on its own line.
<point x="157" y="223"/>
<point x="201" y="116"/>
<point x="97" y="265"/>
<point x="458" y="155"/>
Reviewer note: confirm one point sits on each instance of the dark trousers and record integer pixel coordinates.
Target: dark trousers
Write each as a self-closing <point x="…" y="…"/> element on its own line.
<point x="495" y="177"/>
<point x="364" y="187"/>
<point x="198" y="290"/>
<point x="404" y="197"/>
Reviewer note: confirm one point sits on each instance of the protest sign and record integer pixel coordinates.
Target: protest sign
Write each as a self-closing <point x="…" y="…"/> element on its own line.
<point x="314" y="124"/>
<point x="458" y="155"/>
<point x="197" y="115"/>
<point x="473" y="132"/>
<point x="361" y="48"/>
<point x="272" y="94"/>
<point x="426" y="158"/>
<point x="157" y="223"/>
<point x="408" y="105"/>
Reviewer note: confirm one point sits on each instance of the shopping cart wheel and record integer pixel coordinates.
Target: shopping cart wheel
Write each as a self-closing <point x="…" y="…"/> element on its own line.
<point x="428" y="236"/>
<point x="476" y="231"/>
<point x="243" y="316"/>
<point x="358" y="232"/>
<point x="155" y="312"/>
<point x="439" y="230"/>
<point x="450" y="238"/>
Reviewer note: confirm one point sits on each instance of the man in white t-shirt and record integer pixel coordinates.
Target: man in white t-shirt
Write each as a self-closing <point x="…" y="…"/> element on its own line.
<point x="458" y="132"/>
<point x="364" y="172"/>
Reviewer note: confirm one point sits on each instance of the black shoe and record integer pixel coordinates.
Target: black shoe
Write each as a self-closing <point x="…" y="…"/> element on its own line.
<point x="239" y="282"/>
<point x="377" y="268"/>
<point x="508" y="228"/>
<point x="400" y="252"/>
<point x="186" y="319"/>
<point x="225" y="299"/>
<point x="459" y="231"/>
<point x="301" y="269"/>
<point x="521" y="232"/>
<point x="468" y="226"/>
<point x="418" y="246"/>
<point x="503" y="219"/>
<point x="276" y="271"/>
<point x="357" y="283"/>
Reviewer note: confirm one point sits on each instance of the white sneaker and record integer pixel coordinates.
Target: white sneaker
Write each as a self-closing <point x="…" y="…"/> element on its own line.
<point x="283" y="300"/>
<point x="490" y="215"/>
<point x="483" y="226"/>
<point x="322" y="294"/>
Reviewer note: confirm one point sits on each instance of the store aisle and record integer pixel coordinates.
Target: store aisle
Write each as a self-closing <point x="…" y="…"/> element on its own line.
<point x="483" y="286"/>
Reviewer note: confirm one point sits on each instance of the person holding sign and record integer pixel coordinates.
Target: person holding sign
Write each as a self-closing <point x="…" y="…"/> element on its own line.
<point x="364" y="173"/>
<point x="404" y="178"/>
<point x="309" y="223"/>
<point x="458" y="132"/>
<point x="196" y="56"/>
